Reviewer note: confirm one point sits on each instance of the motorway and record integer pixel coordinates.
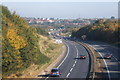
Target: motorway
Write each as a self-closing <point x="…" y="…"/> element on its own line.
<point x="72" y="67"/>
<point x="111" y="66"/>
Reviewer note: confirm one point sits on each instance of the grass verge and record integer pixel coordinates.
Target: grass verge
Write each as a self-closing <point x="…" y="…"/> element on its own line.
<point x="50" y="52"/>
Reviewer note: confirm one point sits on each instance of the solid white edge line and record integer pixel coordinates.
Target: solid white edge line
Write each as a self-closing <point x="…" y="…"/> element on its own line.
<point x="62" y="61"/>
<point x="77" y="51"/>
<point x="64" y="58"/>
<point x="104" y="62"/>
<point x="105" y="65"/>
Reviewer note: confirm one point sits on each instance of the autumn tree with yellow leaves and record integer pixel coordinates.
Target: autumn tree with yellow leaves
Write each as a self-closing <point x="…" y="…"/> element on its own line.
<point x="19" y="44"/>
<point x="101" y="30"/>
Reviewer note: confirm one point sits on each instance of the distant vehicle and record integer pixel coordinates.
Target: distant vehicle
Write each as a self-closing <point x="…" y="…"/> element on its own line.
<point x="107" y="56"/>
<point x="65" y="38"/>
<point x="82" y="56"/>
<point x="58" y="41"/>
<point x="55" y="72"/>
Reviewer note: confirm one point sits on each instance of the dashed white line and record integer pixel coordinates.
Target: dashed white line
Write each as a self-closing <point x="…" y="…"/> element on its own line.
<point x="75" y="62"/>
<point x="64" y="58"/>
<point x="73" y="65"/>
<point x="71" y="69"/>
<point x="68" y="74"/>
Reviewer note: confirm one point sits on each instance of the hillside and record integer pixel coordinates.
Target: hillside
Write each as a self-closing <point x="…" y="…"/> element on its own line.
<point x="22" y="46"/>
<point x="101" y="30"/>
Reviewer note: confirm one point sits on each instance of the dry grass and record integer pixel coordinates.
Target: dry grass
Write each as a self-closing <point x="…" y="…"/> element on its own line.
<point x="47" y="47"/>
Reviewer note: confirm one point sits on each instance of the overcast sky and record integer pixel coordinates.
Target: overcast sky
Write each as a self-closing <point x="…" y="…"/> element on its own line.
<point x="64" y="9"/>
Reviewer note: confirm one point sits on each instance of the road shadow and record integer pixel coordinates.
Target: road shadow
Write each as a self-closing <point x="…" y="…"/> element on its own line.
<point x="114" y="68"/>
<point x="105" y="75"/>
<point x="79" y="58"/>
<point x="115" y="61"/>
<point x="46" y="75"/>
<point x="104" y="58"/>
<point x="99" y="58"/>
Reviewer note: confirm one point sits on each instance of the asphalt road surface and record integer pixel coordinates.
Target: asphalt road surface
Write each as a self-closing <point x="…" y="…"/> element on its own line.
<point x="72" y="66"/>
<point x="111" y="66"/>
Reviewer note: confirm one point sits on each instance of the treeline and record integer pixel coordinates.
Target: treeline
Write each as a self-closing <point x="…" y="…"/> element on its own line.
<point x="101" y="30"/>
<point x="20" y="46"/>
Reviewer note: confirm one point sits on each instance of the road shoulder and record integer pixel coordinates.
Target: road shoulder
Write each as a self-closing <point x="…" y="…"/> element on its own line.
<point x="55" y="63"/>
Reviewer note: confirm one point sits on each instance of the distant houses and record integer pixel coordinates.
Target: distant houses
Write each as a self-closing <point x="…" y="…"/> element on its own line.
<point x="38" y="20"/>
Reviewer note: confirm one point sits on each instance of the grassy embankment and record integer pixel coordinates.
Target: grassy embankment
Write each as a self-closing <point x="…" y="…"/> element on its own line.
<point x="24" y="52"/>
<point x="49" y="49"/>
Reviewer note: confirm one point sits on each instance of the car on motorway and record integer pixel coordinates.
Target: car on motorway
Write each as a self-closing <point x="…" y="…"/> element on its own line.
<point x="82" y="56"/>
<point x="107" y="56"/>
<point x="55" y="72"/>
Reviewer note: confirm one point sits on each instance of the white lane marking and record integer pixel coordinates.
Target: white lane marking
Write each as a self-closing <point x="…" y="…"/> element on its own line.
<point x="46" y="78"/>
<point x="113" y="56"/>
<point x="77" y="51"/>
<point x="73" y="65"/>
<point x="64" y="58"/>
<point x="77" y="55"/>
<point x="75" y="62"/>
<point x="71" y="69"/>
<point x="106" y="66"/>
<point x="62" y="61"/>
<point x="116" y="59"/>
<point x="68" y="74"/>
<point x="104" y="62"/>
